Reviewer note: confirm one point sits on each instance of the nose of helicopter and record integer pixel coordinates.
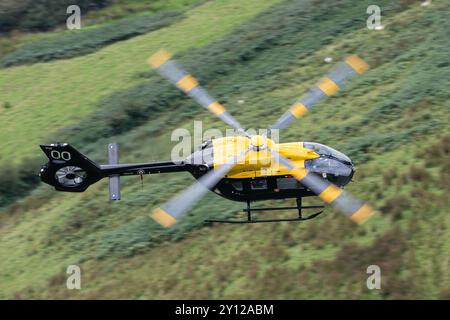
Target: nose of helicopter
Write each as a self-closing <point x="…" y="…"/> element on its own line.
<point x="327" y="151"/>
<point x="332" y="164"/>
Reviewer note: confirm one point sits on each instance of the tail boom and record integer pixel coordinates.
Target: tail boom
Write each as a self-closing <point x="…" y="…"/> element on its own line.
<point x="69" y="170"/>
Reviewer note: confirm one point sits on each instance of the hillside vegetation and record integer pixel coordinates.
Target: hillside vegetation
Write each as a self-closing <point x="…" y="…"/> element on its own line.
<point x="393" y="122"/>
<point x="75" y="43"/>
<point x="33" y="15"/>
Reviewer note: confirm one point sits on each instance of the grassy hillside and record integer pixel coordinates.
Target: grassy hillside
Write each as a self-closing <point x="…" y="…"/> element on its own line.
<point x="109" y="15"/>
<point x="74" y="87"/>
<point x="77" y="43"/>
<point x="393" y="122"/>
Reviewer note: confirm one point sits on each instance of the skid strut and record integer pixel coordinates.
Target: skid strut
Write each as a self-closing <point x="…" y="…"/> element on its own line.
<point x="250" y="219"/>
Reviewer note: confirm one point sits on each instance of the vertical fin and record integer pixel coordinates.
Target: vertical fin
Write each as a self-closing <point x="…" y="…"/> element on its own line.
<point x="114" y="180"/>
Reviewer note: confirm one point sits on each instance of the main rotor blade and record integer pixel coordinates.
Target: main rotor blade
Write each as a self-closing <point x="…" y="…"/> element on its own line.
<point x="178" y="206"/>
<point x="170" y="70"/>
<point x="351" y="67"/>
<point x="328" y="192"/>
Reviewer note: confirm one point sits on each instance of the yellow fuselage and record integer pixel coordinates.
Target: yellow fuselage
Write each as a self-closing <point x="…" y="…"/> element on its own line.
<point x="258" y="163"/>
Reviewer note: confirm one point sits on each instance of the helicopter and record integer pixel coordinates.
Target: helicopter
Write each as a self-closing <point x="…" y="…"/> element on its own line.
<point x="244" y="167"/>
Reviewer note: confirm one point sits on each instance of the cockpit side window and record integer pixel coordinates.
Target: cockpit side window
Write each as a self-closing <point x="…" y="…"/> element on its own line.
<point x="324" y="150"/>
<point x="288" y="184"/>
<point x="237" y="185"/>
<point x="259" y="184"/>
<point x="317" y="147"/>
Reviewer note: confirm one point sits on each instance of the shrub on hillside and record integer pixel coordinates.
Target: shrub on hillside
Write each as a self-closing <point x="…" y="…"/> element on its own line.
<point x="396" y="205"/>
<point x="7" y="105"/>
<point x="127" y="239"/>
<point x="389" y="175"/>
<point x="419" y="174"/>
<point x="16" y="181"/>
<point x="436" y="153"/>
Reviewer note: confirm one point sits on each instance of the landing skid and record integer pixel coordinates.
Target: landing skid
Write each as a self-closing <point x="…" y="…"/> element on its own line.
<point x="250" y="219"/>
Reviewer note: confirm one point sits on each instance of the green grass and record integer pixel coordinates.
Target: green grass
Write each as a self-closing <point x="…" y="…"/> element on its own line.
<point x="126" y="8"/>
<point x="124" y="254"/>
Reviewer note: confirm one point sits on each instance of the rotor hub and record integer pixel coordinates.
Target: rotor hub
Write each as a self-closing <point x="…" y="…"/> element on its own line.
<point x="258" y="142"/>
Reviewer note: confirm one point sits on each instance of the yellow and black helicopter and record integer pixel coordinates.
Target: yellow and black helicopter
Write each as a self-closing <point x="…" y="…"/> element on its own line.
<point x="242" y="167"/>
